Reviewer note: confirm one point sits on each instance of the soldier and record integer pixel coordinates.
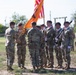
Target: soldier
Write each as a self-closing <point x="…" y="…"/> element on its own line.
<point x="50" y="42"/>
<point x="10" y="45"/>
<point x="58" y="41"/>
<point x="67" y="43"/>
<point x="43" y="53"/>
<point x="73" y="37"/>
<point x="21" y="46"/>
<point x="34" y="41"/>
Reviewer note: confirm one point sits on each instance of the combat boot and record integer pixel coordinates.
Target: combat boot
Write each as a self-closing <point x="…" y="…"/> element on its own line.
<point x="34" y="68"/>
<point x="50" y="66"/>
<point x="23" y="67"/>
<point x="59" y="66"/>
<point x="67" y="66"/>
<point x="10" y="68"/>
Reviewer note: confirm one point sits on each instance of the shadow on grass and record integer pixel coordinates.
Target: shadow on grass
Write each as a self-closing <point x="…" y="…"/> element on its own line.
<point x="71" y="71"/>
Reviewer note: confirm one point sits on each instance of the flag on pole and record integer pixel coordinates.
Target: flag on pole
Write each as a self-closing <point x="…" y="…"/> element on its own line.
<point x="35" y="16"/>
<point x="41" y="14"/>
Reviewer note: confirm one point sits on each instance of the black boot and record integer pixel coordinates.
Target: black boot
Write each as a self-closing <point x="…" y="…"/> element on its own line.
<point x="10" y="68"/>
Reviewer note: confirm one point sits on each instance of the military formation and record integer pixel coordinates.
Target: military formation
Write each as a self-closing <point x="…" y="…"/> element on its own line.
<point x="43" y="41"/>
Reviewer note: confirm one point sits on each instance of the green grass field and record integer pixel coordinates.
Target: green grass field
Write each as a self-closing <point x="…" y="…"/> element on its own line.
<point x="29" y="66"/>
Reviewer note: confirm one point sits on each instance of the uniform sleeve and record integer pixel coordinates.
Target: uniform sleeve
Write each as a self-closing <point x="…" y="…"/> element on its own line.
<point x="51" y="35"/>
<point x="29" y="37"/>
<point x="71" y="34"/>
<point x="10" y="36"/>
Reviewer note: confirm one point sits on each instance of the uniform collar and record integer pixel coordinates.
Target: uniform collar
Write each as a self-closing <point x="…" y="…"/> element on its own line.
<point x="66" y="28"/>
<point x="49" y="27"/>
<point x="58" y="29"/>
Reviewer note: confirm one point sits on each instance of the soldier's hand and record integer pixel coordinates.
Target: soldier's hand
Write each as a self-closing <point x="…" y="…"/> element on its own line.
<point x="69" y="47"/>
<point x="56" y="39"/>
<point x="18" y="41"/>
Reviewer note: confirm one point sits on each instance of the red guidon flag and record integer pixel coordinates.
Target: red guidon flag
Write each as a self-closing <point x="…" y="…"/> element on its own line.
<point x="41" y="14"/>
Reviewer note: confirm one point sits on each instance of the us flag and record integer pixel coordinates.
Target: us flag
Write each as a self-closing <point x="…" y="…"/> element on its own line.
<point x="37" y="2"/>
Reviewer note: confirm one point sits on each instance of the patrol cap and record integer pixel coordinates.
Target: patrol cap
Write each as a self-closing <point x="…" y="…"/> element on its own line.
<point x="58" y="23"/>
<point x="33" y="23"/>
<point x="12" y="23"/>
<point x="20" y="24"/>
<point x="66" y="22"/>
<point x="38" y="27"/>
<point x="49" y="21"/>
<point x="43" y="25"/>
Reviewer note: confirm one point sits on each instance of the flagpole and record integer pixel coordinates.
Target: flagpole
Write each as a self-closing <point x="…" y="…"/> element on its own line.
<point x="43" y="15"/>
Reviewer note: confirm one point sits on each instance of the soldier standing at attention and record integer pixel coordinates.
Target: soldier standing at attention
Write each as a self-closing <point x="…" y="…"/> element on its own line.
<point x="10" y="45"/>
<point x="67" y="43"/>
<point x="43" y="50"/>
<point x="21" y="46"/>
<point x="50" y="42"/>
<point x="34" y="41"/>
<point x="58" y="41"/>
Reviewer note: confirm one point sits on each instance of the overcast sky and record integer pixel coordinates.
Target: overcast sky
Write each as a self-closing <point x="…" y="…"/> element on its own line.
<point x="58" y="8"/>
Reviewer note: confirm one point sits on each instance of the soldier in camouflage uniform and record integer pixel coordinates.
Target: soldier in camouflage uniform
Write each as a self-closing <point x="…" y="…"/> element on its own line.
<point x="21" y="46"/>
<point x="50" y="42"/>
<point x="67" y="43"/>
<point x="10" y="45"/>
<point x="73" y="37"/>
<point x="34" y="42"/>
<point x="58" y="41"/>
<point x="43" y="53"/>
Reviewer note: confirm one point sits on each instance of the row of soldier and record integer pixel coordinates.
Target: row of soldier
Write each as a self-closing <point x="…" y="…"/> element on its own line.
<point x="42" y="41"/>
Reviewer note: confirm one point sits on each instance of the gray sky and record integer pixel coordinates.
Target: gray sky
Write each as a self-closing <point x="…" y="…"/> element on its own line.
<point x="58" y="8"/>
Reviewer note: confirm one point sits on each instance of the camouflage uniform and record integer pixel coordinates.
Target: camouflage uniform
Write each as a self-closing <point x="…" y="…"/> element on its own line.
<point x="10" y="46"/>
<point x="73" y="37"/>
<point x="43" y="52"/>
<point x="58" y="49"/>
<point x="50" y="43"/>
<point x="34" y="41"/>
<point x="21" y="48"/>
<point x="67" y="43"/>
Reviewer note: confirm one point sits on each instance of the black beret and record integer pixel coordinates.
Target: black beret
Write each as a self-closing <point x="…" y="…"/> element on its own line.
<point x="66" y="22"/>
<point x="34" y="23"/>
<point x="58" y="23"/>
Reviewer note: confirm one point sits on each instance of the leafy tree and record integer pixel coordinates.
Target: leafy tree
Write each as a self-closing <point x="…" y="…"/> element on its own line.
<point x="2" y="29"/>
<point x="19" y="18"/>
<point x="74" y="16"/>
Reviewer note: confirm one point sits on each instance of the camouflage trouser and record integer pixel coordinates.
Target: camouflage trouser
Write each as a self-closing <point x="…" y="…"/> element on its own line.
<point x="66" y="55"/>
<point x="34" y="53"/>
<point x="58" y="51"/>
<point x="46" y="53"/>
<point x="21" y="52"/>
<point x="10" y="52"/>
<point x="51" y="57"/>
<point x="43" y="59"/>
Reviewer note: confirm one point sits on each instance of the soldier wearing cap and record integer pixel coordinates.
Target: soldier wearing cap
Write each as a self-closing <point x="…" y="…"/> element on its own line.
<point x="43" y="53"/>
<point x="67" y="43"/>
<point x="58" y="41"/>
<point x="34" y="41"/>
<point x="21" y="46"/>
<point x="10" y="45"/>
<point x="50" y="33"/>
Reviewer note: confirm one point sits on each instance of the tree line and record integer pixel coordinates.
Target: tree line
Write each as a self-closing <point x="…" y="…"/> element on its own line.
<point x="22" y="18"/>
<point x="15" y="18"/>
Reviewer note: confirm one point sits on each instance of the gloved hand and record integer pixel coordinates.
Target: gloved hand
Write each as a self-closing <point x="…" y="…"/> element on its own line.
<point x="69" y="47"/>
<point x="56" y="39"/>
<point x="61" y="46"/>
